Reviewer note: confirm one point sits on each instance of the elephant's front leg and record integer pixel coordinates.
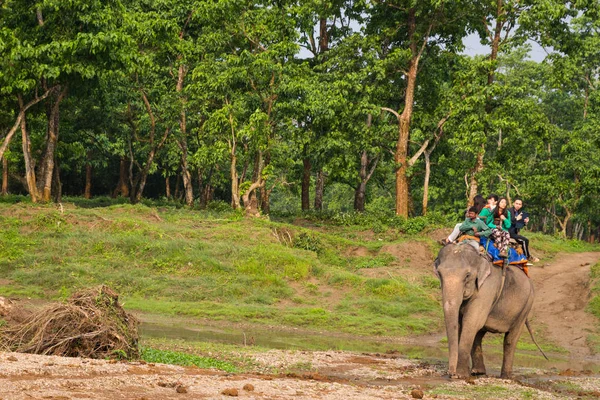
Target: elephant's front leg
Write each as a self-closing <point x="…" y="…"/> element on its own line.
<point x="472" y="323"/>
<point x="477" y="354"/>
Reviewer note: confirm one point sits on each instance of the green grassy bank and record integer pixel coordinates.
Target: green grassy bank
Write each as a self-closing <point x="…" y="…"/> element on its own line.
<point x="218" y="265"/>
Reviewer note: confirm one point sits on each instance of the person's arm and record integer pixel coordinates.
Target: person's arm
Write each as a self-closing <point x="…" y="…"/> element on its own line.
<point x="465" y="226"/>
<point x="484" y="215"/>
<point x="506" y="222"/>
<point x="525" y="217"/>
<point x="513" y="216"/>
<point x="483" y="229"/>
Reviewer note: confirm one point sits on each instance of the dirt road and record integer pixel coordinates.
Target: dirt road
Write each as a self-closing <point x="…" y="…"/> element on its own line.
<point x="562" y="293"/>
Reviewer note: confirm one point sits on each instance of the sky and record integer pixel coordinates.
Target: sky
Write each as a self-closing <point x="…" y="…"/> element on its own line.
<point x="474" y="47"/>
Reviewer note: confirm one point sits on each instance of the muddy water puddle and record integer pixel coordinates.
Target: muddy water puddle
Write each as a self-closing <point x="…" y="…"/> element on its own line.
<point x="284" y="339"/>
<point x="527" y="363"/>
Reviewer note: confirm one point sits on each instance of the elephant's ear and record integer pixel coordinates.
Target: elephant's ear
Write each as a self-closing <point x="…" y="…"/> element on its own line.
<point x="436" y="264"/>
<point x="483" y="271"/>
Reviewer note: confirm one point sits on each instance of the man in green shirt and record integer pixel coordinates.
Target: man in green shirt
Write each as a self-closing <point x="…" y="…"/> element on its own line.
<point x="473" y="226"/>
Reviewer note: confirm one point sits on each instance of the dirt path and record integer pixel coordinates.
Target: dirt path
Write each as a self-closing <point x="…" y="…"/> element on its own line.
<point x="333" y="375"/>
<point x="562" y="292"/>
<point x="345" y="376"/>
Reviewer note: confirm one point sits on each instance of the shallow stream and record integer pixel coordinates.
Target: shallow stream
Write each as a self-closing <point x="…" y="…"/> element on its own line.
<point x="429" y="349"/>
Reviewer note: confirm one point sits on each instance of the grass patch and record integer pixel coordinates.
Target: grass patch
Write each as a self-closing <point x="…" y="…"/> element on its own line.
<point x="551" y="245"/>
<point x="178" y="358"/>
<point x="593" y="306"/>
<point x="484" y="392"/>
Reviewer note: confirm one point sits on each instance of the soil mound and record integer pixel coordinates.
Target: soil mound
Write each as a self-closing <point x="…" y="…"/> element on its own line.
<point x="90" y="324"/>
<point x="412" y="254"/>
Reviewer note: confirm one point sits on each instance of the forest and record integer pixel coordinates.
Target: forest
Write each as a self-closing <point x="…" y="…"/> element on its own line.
<point x="284" y="107"/>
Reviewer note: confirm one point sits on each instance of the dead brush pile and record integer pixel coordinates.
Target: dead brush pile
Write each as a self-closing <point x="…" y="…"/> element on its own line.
<point x="90" y="324"/>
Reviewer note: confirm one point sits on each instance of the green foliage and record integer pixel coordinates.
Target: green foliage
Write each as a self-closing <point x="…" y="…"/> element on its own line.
<point x="380" y="260"/>
<point x="307" y="241"/>
<point x="594" y="303"/>
<point x="178" y="358"/>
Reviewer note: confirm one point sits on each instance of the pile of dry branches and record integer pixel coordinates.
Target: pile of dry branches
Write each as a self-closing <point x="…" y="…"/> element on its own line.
<point x="90" y="324"/>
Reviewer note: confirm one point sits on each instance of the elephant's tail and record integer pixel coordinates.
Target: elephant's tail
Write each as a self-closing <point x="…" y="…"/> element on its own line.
<point x="532" y="338"/>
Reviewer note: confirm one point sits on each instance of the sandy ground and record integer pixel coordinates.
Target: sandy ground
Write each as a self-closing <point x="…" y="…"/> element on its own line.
<point x="561" y="294"/>
<point x="336" y="375"/>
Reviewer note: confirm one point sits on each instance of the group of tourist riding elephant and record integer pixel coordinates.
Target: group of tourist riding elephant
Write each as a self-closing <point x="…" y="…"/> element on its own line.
<point x="480" y="297"/>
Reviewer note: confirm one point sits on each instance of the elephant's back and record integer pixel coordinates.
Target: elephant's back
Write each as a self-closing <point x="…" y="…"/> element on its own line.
<point x="515" y="302"/>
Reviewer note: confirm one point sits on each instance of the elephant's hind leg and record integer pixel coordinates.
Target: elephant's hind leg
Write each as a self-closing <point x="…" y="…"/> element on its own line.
<point x="477" y="355"/>
<point x="510" y="345"/>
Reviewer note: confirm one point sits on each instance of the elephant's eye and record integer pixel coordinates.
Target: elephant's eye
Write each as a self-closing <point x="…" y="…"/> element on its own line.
<point x="468" y="275"/>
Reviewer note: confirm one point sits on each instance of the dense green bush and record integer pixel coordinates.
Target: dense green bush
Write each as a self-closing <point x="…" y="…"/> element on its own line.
<point x="306" y="241"/>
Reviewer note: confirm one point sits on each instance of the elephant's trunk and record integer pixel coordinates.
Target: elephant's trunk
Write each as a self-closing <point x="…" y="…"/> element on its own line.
<point x="452" y="297"/>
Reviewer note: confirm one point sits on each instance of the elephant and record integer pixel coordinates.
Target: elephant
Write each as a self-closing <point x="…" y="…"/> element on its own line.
<point x="479" y="297"/>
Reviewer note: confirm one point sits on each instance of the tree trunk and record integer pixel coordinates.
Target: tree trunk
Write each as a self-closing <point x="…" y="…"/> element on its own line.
<point x="359" y="192"/>
<point x="56" y="183"/>
<point x="177" y="187"/>
<point x="265" y="194"/>
<point x="250" y="198"/>
<point x="187" y="176"/>
<point x="306" y="184"/>
<point x="122" y="186"/>
<point x="144" y="176"/>
<point x="426" y="182"/>
<point x="473" y="186"/>
<point x="235" y="187"/>
<point x="265" y="197"/>
<point x="319" y="190"/>
<point x="29" y="162"/>
<point x="46" y="172"/>
<point x="4" y="176"/>
<point x="359" y="197"/>
<point x="401" y="155"/>
<point x="154" y="148"/>
<point x="204" y="188"/>
<point x="168" y="187"/>
<point x="87" y="193"/>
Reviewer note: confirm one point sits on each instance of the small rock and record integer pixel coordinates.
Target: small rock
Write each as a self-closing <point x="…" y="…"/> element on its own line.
<point x="416" y="394"/>
<point x="230" y="392"/>
<point x="181" y="389"/>
<point x="248" y="387"/>
<point x="12" y="358"/>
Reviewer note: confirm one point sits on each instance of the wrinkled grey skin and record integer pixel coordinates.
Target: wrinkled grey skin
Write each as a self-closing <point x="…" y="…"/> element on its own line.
<point x="470" y="286"/>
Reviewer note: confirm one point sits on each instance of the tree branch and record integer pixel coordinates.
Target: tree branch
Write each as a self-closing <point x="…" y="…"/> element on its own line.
<point x="373" y="166"/>
<point x="392" y="111"/>
<point x="414" y="158"/>
<point x="20" y="116"/>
